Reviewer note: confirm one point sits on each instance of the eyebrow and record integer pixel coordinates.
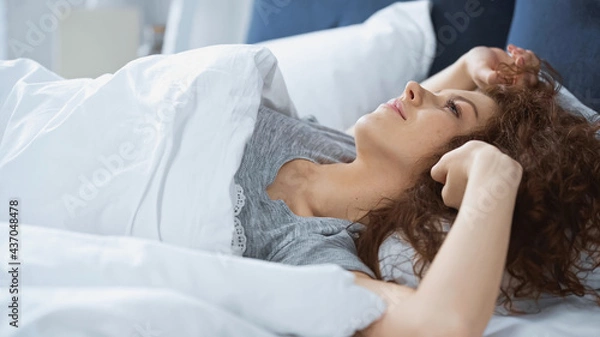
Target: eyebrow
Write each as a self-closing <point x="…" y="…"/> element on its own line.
<point x="462" y="98"/>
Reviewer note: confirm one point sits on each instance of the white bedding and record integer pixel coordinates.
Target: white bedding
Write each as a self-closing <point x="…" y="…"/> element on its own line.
<point x="115" y="286"/>
<point x="98" y="268"/>
<point x="151" y="152"/>
<point x="135" y="153"/>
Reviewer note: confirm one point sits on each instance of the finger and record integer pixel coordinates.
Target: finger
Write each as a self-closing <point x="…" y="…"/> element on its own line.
<point x="521" y="80"/>
<point x="519" y="50"/>
<point x="439" y="171"/>
<point x="533" y="59"/>
<point x="516" y="55"/>
<point x="520" y="61"/>
<point x="532" y="80"/>
<point x="452" y="192"/>
<point x="496" y="78"/>
<point x="527" y="58"/>
<point x="526" y="79"/>
<point x="446" y="195"/>
<point x="489" y="77"/>
<point x="515" y="50"/>
<point x="486" y="75"/>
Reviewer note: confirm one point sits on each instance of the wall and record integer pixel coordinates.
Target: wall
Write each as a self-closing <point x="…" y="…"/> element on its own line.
<point x="32" y="25"/>
<point x="109" y="41"/>
<point x="3" y="43"/>
<point x="199" y="23"/>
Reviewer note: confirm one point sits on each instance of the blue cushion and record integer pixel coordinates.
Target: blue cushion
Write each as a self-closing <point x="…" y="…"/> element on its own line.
<point x="273" y="19"/>
<point x="567" y="34"/>
<point x="459" y="24"/>
<point x="463" y="24"/>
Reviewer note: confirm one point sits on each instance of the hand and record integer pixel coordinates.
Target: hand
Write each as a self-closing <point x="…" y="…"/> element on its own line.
<point x="482" y="65"/>
<point x="474" y="157"/>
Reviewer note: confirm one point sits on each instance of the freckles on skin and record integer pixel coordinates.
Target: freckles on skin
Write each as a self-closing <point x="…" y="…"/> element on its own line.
<point x="384" y="136"/>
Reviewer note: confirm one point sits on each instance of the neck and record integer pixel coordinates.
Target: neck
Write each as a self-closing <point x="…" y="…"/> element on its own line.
<point x="349" y="190"/>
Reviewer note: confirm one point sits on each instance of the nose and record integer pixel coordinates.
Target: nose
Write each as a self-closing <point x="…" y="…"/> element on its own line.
<point x="414" y="93"/>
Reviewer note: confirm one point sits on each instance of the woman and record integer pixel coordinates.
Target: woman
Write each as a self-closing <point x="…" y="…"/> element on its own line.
<point x="443" y="144"/>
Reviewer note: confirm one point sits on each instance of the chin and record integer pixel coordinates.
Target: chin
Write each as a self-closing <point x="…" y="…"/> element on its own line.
<point x="363" y="125"/>
<point x="368" y="133"/>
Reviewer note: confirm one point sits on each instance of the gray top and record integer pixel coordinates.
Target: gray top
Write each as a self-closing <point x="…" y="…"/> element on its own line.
<point x="273" y="232"/>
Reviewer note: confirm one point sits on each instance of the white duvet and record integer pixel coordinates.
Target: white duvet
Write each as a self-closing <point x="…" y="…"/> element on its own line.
<point x="150" y="153"/>
<point x="123" y="189"/>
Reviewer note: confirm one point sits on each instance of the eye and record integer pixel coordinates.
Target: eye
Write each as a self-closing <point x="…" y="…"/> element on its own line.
<point x="453" y="107"/>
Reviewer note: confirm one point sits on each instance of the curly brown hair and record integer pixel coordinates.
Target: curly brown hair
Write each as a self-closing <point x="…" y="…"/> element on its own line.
<point x="555" y="231"/>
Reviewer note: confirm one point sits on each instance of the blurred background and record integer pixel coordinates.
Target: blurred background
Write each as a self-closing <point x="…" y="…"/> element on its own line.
<point x="87" y="38"/>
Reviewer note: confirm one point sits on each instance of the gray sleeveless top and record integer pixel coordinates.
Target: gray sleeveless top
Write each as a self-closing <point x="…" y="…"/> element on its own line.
<point x="267" y="229"/>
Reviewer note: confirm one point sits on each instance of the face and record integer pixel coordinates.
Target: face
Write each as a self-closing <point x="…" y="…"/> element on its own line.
<point x="418" y="122"/>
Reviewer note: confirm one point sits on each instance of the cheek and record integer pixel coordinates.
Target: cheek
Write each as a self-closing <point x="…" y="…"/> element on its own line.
<point x="435" y="127"/>
<point x="424" y="142"/>
<point x="403" y="141"/>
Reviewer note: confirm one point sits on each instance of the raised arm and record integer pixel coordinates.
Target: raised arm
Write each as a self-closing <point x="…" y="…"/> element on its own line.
<point x="477" y="69"/>
<point x="457" y="295"/>
<point x="454" y="76"/>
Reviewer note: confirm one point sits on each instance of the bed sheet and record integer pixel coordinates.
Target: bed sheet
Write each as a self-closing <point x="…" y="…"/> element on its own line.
<point x="54" y="132"/>
<point x="125" y="286"/>
<point x="121" y="286"/>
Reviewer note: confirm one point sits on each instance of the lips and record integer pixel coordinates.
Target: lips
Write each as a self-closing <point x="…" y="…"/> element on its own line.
<point x="396" y="105"/>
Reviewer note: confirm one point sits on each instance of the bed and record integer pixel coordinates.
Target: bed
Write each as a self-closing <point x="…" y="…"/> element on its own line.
<point x="110" y="168"/>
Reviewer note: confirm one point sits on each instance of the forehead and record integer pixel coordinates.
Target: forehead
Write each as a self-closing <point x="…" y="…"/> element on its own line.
<point x="474" y="95"/>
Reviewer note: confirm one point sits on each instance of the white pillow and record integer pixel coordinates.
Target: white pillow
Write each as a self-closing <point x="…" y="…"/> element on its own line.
<point x="340" y="74"/>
